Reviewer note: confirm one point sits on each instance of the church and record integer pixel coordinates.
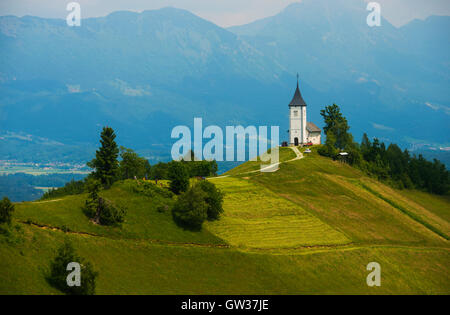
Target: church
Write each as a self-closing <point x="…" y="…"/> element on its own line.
<point x="301" y="132"/>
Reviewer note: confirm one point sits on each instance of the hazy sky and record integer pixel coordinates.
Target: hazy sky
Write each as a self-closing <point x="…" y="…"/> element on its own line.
<point x="221" y="12"/>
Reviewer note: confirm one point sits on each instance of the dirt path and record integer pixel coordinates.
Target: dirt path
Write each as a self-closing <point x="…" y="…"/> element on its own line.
<point x="299" y="250"/>
<point x="270" y="168"/>
<point x="54" y="200"/>
<point x="151" y="241"/>
<point x="298" y="153"/>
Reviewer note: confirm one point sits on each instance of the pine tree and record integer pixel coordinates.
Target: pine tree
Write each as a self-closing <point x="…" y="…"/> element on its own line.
<point x="105" y="163"/>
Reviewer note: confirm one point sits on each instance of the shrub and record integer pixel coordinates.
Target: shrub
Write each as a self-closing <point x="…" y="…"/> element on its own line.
<point x="101" y="210"/>
<point x="214" y="199"/>
<point x="108" y="213"/>
<point x="190" y="210"/>
<point x="58" y="272"/>
<point x="179" y="177"/>
<point x="6" y="210"/>
<point x="147" y="189"/>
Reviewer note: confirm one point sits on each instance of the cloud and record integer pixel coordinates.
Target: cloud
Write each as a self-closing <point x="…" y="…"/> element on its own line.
<point x="382" y="127"/>
<point x="127" y="90"/>
<point x="438" y="107"/>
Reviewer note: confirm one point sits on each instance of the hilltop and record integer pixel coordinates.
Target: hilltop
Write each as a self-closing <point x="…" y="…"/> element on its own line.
<point x="310" y="227"/>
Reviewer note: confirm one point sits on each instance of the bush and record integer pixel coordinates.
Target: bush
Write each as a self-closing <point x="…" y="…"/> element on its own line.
<point x="190" y="210"/>
<point x="6" y="210"/>
<point x="178" y="176"/>
<point x="108" y="213"/>
<point x="147" y="189"/>
<point x="214" y="199"/>
<point x="58" y="272"/>
<point x="101" y="210"/>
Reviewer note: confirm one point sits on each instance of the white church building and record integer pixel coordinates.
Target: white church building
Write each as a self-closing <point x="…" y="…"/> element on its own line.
<point x="300" y="130"/>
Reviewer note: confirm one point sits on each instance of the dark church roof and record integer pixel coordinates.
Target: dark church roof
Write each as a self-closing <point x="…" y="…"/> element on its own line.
<point x="297" y="100"/>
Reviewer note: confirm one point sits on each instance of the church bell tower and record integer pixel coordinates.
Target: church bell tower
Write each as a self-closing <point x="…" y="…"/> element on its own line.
<point x="297" y="119"/>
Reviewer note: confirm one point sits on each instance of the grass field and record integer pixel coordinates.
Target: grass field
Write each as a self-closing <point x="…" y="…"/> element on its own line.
<point x="142" y="221"/>
<point x="255" y="217"/>
<point x="285" y="154"/>
<point x="311" y="227"/>
<point x="334" y="193"/>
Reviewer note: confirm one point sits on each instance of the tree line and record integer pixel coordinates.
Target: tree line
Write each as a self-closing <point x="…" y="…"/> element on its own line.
<point x="389" y="163"/>
<point x="113" y="163"/>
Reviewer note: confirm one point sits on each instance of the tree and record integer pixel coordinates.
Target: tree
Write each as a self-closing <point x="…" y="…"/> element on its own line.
<point x="108" y="213"/>
<point x="58" y="272"/>
<point x="99" y="209"/>
<point x="214" y="199"/>
<point x="159" y="171"/>
<point x="93" y="187"/>
<point x="105" y="162"/>
<point x="337" y="123"/>
<point x="132" y="164"/>
<point x="190" y="210"/>
<point x="178" y="176"/>
<point x="329" y="149"/>
<point x="6" y="210"/>
<point x="365" y="147"/>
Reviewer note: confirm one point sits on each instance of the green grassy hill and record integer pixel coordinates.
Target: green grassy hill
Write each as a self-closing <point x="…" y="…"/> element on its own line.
<point x="311" y="227"/>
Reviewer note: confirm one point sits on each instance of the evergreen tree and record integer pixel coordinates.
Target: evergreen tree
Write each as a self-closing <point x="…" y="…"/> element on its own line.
<point x="365" y="146"/>
<point x="105" y="162"/>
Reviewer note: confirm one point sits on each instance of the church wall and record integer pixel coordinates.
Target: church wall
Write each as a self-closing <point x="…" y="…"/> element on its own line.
<point x="295" y="128"/>
<point x="305" y="132"/>
<point x="314" y="137"/>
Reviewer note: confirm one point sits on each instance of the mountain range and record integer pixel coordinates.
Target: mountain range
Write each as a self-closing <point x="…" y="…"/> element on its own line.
<point x="144" y="73"/>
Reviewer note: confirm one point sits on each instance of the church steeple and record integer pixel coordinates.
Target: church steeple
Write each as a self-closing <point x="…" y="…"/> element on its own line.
<point x="297" y="100"/>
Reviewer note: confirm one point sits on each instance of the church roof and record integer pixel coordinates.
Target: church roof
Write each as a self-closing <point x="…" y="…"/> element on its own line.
<point x="297" y="100"/>
<point x="311" y="127"/>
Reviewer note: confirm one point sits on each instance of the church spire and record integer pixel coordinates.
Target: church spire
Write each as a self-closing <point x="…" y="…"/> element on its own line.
<point x="297" y="100"/>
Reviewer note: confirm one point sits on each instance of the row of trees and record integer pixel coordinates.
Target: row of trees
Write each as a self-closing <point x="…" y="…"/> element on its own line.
<point x="389" y="163"/>
<point x="108" y="168"/>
